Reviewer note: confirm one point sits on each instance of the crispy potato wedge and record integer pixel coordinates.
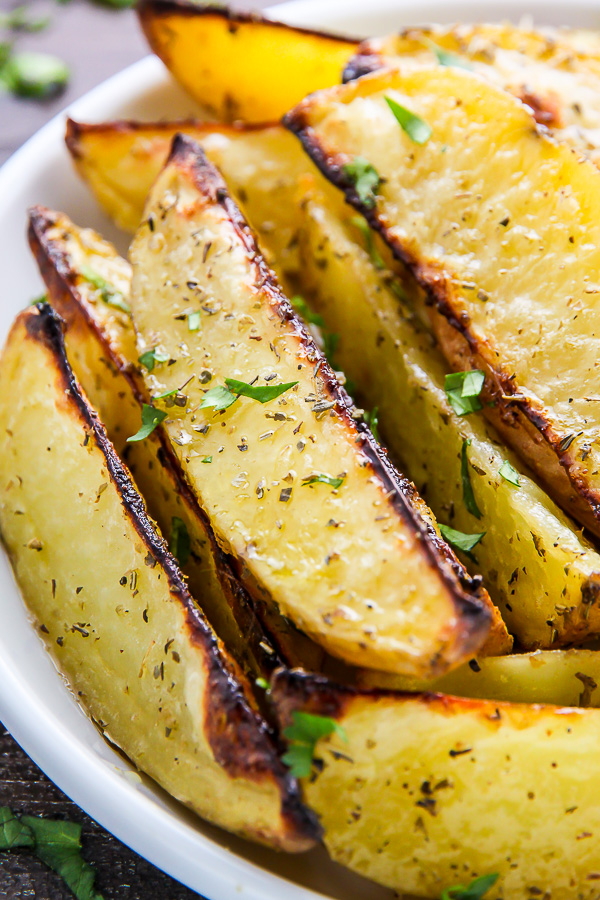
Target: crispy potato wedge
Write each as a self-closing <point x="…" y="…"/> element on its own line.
<point x="538" y="568"/>
<point x="320" y="523"/>
<point x="431" y="790"/>
<point x="270" y="66"/>
<point x="114" y="608"/>
<point x="101" y="347"/>
<point x="525" y="312"/>
<point x="558" y="80"/>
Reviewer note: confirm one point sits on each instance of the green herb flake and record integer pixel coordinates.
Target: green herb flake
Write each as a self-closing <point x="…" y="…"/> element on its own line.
<point x="151" y="357"/>
<point x="330" y="345"/>
<point x="194" y="321"/>
<point x="263" y="683"/>
<point x="18" y="19"/>
<point x="367" y="235"/>
<point x="207" y="459"/>
<point x="468" y="495"/>
<point x="38" y="76"/>
<point x="474" y="891"/>
<point x="463" y="390"/>
<point x="509" y="473"/>
<point x="324" y="479"/>
<point x="460" y="540"/>
<point x="262" y="393"/>
<point x="303" y="734"/>
<point x="58" y="845"/>
<point x="415" y="127"/>
<point x="43" y="298"/>
<point x="151" y="417"/>
<point x="12" y="831"/>
<point x="303" y="309"/>
<point x="108" y="293"/>
<point x="365" y="179"/>
<point x="446" y="58"/>
<point x="179" y="542"/>
<point x="117" y="4"/>
<point x="372" y="420"/>
<point x="218" y="398"/>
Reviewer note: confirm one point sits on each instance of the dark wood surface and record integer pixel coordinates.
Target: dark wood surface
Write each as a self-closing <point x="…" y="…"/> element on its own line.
<point x="96" y="42"/>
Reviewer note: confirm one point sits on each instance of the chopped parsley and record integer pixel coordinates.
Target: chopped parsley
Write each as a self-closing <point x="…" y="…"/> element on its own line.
<point x="468" y="496"/>
<point x="365" y="179"/>
<point x="324" y="479"/>
<point x="151" y="357"/>
<point x="151" y="417"/>
<point x="302" y="307"/>
<point x="304" y="732"/>
<point x="223" y="397"/>
<point x="415" y="127"/>
<point x="460" y="540"/>
<point x="194" y="321"/>
<point x="372" y="420"/>
<point x="56" y="843"/>
<point x="108" y="293"/>
<point x="446" y="58"/>
<point x="463" y="390"/>
<point x="179" y="542"/>
<point x="509" y="473"/>
<point x="474" y="891"/>
<point x="263" y="683"/>
<point x="207" y="459"/>
<point x="367" y="235"/>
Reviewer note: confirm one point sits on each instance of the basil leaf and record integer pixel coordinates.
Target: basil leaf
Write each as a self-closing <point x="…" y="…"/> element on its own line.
<point x="474" y="891"/>
<point x="460" y="540"/>
<point x="324" y="479"/>
<point x="35" y="75"/>
<point x="372" y="420"/>
<point x="365" y="179"/>
<point x="12" y="831"/>
<point x="463" y="389"/>
<point x="151" y="357"/>
<point x="108" y="293"/>
<point x="194" y="321"/>
<point x="468" y="496"/>
<point x="151" y="417"/>
<point x="509" y="473"/>
<point x="415" y="127"/>
<point x="262" y="393"/>
<point x="367" y="235"/>
<point x="58" y="844"/>
<point x="304" y="732"/>
<point x="179" y="542"/>
<point x="301" y="307"/>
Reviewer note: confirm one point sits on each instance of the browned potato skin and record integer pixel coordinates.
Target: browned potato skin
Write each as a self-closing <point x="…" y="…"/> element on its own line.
<point x="192" y="726"/>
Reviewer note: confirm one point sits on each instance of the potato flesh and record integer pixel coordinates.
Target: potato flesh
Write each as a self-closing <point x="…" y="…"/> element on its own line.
<point x="107" y="608"/>
<point x="363" y="590"/>
<point x="540" y="571"/>
<point x="431" y="791"/>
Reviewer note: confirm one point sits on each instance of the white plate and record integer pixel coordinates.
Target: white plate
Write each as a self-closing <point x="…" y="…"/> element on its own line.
<point x="35" y="704"/>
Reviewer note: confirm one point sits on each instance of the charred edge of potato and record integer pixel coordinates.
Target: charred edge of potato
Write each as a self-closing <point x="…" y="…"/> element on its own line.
<point x="554" y="468"/>
<point x="148" y="10"/>
<point x="364" y="62"/>
<point x="60" y="279"/>
<point x="239" y="738"/>
<point x="466" y="591"/>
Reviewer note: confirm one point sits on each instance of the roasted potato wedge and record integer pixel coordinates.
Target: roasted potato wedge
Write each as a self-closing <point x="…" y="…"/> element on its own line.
<point x="113" y="606"/>
<point x="431" y="790"/>
<point x="524" y="311"/>
<point x="269" y="66"/>
<point x="538" y="568"/>
<point x="320" y="523"/>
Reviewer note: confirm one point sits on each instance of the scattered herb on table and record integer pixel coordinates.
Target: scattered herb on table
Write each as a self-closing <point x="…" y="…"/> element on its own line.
<point x="108" y="292"/>
<point x="460" y="540"/>
<point x="223" y="397"/>
<point x="39" y="76"/>
<point x="474" y="891"/>
<point x="321" y="478"/>
<point x="151" y="417"/>
<point x="509" y="473"/>
<point x="418" y="130"/>
<point x="468" y="495"/>
<point x="463" y="390"/>
<point x="179" y="542"/>
<point x="18" y="19"/>
<point x="365" y="179"/>
<point x="304" y="732"/>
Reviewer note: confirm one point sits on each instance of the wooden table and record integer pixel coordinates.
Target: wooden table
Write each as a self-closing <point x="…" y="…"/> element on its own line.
<point x="95" y="42"/>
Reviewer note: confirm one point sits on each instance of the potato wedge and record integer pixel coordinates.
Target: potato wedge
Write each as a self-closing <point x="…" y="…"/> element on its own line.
<point x="114" y="608"/>
<point x="431" y="790"/>
<point x="241" y="66"/>
<point x="557" y="80"/>
<point x="319" y="522"/>
<point x="539" y="570"/>
<point x="525" y="312"/>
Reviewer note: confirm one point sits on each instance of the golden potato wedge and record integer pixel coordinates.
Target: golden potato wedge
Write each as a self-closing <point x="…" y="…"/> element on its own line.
<point x="432" y="790"/>
<point x="113" y="606"/>
<point x="320" y="523"/>
<point x="241" y="66"/>
<point x="538" y="568"/>
<point x="525" y="311"/>
<point x="557" y="80"/>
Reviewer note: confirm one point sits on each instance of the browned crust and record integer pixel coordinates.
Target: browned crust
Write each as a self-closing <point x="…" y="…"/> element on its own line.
<point x="148" y="10"/>
<point x="364" y="62"/>
<point x="467" y="592"/>
<point x="517" y="419"/>
<point x="239" y="738"/>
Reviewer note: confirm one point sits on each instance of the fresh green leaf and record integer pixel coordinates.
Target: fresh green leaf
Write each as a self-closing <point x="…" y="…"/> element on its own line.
<point x="179" y="542"/>
<point x="367" y="235"/>
<point x="415" y="127"/>
<point x="509" y="473"/>
<point x="12" y="831"/>
<point x="108" y="293"/>
<point x="324" y="479"/>
<point x="365" y="179"/>
<point x="207" y="459"/>
<point x="218" y="398"/>
<point x="43" y="298"/>
<point x="262" y="393"/>
<point x="194" y="321"/>
<point x="460" y="540"/>
<point x="58" y="844"/>
<point x="165" y="394"/>
<point x="372" y="420"/>
<point x="302" y="307"/>
<point x="263" y="683"/>
<point x="474" y="891"/>
<point x="151" y="417"/>
<point x="463" y="389"/>
<point x="117" y="4"/>
<point x="330" y="343"/>
<point x="304" y="732"/>
<point x="35" y="75"/>
<point x="468" y="495"/>
<point x="18" y="19"/>
<point x="5" y="52"/>
<point x="151" y="357"/>
<point x="446" y="58"/>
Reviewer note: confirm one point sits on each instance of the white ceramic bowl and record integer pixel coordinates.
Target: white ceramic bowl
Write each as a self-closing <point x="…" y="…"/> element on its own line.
<point x="35" y="704"/>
